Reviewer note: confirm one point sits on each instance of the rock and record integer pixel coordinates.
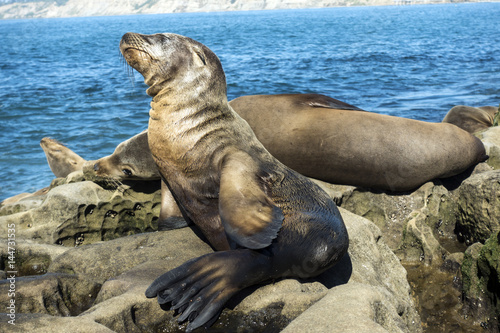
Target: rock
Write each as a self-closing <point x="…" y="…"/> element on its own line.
<point x="22" y="202"/>
<point x="491" y="141"/>
<point x="53" y="294"/>
<point x="428" y="229"/>
<point x="370" y="310"/>
<point x="478" y="209"/>
<point x="413" y="223"/>
<point x="419" y="243"/>
<point x="77" y="213"/>
<point x="123" y="268"/>
<point x="481" y="283"/>
<point x="43" y="323"/>
<point x="31" y="258"/>
<point x="105" y="260"/>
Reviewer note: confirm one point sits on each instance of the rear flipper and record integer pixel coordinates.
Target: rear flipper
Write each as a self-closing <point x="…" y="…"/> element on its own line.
<point x="170" y="214"/>
<point x="199" y="288"/>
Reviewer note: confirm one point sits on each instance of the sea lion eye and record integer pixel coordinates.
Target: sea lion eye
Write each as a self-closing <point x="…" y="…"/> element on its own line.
<point x="127" y="172"/>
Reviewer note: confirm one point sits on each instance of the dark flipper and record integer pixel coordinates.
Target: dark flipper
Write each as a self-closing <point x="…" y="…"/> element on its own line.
<point x="199" y="288"/>
<point x="322" y="101"/>
<point x="249" y="216"/>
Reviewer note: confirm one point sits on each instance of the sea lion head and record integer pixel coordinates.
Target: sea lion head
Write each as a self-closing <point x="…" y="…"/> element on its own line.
<point x="131" y="160"/>
<point x="172" y="62"/>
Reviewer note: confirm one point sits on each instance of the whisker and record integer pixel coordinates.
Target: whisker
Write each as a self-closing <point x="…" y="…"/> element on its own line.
<point x="128" y="69"/>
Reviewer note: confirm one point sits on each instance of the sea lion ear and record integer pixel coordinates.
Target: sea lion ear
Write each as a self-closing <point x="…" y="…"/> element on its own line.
<point x="250" y="218"/>
<point x="199" y="55"/>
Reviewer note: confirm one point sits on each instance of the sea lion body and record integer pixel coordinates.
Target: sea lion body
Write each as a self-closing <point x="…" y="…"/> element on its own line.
<point x="471" y="119"/>
<point x="266" y="220"/>
<point x="358" y="148"/>
<point x="329" y="140"/>
<point x="62" y="160"/>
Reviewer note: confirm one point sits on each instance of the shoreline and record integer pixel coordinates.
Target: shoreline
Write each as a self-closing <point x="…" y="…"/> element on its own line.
<point x="36" y="10"/>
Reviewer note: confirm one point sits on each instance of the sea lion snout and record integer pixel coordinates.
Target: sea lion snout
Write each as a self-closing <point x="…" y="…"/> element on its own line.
<point x="132" y="39"/>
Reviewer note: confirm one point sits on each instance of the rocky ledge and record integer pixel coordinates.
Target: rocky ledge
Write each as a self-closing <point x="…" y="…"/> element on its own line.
<point x="84" y="256"/>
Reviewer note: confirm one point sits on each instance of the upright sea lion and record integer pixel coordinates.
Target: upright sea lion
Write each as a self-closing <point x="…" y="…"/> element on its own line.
<point x="471" y="119"/>
<point x="266" y="220"/>
<point x="62" y="160"/>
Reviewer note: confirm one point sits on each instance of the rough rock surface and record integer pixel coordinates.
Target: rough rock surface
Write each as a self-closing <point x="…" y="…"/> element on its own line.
<point x="429" y="230"/>
<point x="479" y="206"/>
<point x="104" y="281"/>
<point x="75" y="213"/>
<point x="98" y="284"/>
<point x="491" y="141"/>
<point x="481" y="287"/>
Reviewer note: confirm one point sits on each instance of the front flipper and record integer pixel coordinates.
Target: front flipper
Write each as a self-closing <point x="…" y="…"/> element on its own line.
<point x="249" y="216"/>
<point x="199" y="288"/>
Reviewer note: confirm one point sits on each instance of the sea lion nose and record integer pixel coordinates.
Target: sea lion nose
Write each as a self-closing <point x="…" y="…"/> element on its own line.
<point x="96" y="167"/>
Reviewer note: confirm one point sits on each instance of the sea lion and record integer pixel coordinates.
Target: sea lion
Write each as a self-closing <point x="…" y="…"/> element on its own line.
<point x="62" y="160"/>
<point x="471" y="119"/>
<point x="358" y="148"/>
<point x="131" y="160"/>
<point x="266" y="220"/>
<point x="329" y="140"/>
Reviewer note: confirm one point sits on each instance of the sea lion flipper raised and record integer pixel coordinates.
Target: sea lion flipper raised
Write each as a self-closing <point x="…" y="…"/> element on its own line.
<point x="250" y="218"/>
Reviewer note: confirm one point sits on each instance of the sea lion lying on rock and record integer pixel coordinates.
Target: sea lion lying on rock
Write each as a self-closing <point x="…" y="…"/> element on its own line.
<point x="266" y="220"/>
<point x="471" y="119"/>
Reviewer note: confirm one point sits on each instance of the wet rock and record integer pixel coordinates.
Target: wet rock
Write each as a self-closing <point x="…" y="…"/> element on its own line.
<point x="31" y="258"/>
<point x="419" y="244"/>
<point x="481" y="283"/>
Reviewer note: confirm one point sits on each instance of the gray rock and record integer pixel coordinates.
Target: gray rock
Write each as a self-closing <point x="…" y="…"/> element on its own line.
<point x="481" y="283"/>
<point x="77" y="213"/>
<point x="53" y="294"/>
<point x="478" y="214"/>
<point x="43" y="323"/>
<point x="31" y="258"/>
<point x="127" y="265"/>
<point x="371" y="309"/>
<point x="491" y="141"/>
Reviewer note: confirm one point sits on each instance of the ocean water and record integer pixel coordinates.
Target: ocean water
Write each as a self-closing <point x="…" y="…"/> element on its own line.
<point x="64" y="78"/>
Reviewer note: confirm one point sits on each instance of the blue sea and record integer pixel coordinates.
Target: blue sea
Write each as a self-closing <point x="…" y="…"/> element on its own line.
<point x="64" y="78"/>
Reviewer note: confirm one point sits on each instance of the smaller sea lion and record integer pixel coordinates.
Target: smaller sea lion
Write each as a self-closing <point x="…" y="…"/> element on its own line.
<point x="62" y="160"/>
<point x="471" y="119"/>
<point x="131" y="160"/>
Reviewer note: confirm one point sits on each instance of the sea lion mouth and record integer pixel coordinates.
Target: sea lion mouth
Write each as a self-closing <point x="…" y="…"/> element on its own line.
<point x="133" y="48"/>
<point x="137" y="58"/>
